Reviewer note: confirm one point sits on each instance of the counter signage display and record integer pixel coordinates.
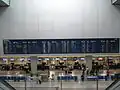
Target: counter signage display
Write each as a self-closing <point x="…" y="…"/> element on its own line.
<point x="61" y="46"/>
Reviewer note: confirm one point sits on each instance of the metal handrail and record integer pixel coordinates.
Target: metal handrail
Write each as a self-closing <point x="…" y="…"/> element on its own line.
<point x="117" y="87"/>
<point x="9" y="2"/>
<point x="7" y="84"/>
<point x="5" y="4"/>
<point x="114" y="3"/>
<point x="1" y="88"/>
<point x="111" y="85"/>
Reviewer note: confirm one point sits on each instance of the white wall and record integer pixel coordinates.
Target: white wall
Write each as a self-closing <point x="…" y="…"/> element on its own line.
<point x="59" y="19"/>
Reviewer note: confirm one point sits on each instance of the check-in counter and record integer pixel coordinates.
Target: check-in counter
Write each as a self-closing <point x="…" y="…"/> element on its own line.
<point x="13" y="77"/>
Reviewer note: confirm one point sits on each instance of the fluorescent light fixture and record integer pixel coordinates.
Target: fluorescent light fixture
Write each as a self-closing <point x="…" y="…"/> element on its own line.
<point x="46" y="58"/>
<point x="21" y="59"/>
<point x="5" y="59"/>
<point x="64" y="58"/>
<point x="82" y="58"/>
<point x="100" y="58"/>
<point x="57" y="59"/>
<point x="12" y="59"/>
<point x="28" y="59"/>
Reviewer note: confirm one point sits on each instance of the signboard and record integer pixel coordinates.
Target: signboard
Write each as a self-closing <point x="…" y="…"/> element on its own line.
<point x="61" y="46"/>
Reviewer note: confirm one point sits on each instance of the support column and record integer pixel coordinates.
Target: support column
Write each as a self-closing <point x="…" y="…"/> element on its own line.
<point x="88" y="59"/>
<point x="34" y="60"/>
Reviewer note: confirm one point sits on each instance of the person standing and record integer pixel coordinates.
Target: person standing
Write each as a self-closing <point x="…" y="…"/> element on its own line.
<point x="82" y="78"/>
<point x="108" y="74"/>
<point x="35" y="78"/>
<point x="83" y="71"/>
<point x="53" y="77"/>
<point x="87" y="71"/>
<point x="39" y="79"/>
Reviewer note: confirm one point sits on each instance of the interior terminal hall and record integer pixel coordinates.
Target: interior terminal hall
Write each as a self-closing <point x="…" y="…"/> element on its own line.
<point x="60" y="44"/>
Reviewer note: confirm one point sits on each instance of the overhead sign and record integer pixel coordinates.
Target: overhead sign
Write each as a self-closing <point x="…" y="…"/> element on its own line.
<point x="61" y="46"/>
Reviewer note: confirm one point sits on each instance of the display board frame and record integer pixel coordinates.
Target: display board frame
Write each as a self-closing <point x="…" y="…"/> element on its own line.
<point x="61" y="46"/>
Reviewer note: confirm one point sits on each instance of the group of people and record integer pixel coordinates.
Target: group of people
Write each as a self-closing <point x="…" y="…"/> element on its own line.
<point x="86" y="72"/>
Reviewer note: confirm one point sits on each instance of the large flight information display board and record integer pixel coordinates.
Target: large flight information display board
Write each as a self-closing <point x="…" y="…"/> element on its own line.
<point x="61" y="46"/>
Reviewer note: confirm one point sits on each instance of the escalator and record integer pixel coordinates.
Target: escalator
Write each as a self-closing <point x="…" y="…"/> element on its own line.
<point x="115" y="2"/>
<point x="5" y="85"/>
<point x="1" y="88"/>
<point x="4" y="3"/>
<point x="114" y="86"/>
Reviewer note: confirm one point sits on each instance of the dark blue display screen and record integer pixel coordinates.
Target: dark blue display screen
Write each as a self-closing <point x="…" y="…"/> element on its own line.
<point x="61" y="46"/>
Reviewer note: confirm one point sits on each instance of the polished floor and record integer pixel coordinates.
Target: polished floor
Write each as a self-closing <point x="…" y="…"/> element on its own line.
<point x="87" y="85"/>
<point x="64" y="85"/>
<point x="55" y="85"/>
